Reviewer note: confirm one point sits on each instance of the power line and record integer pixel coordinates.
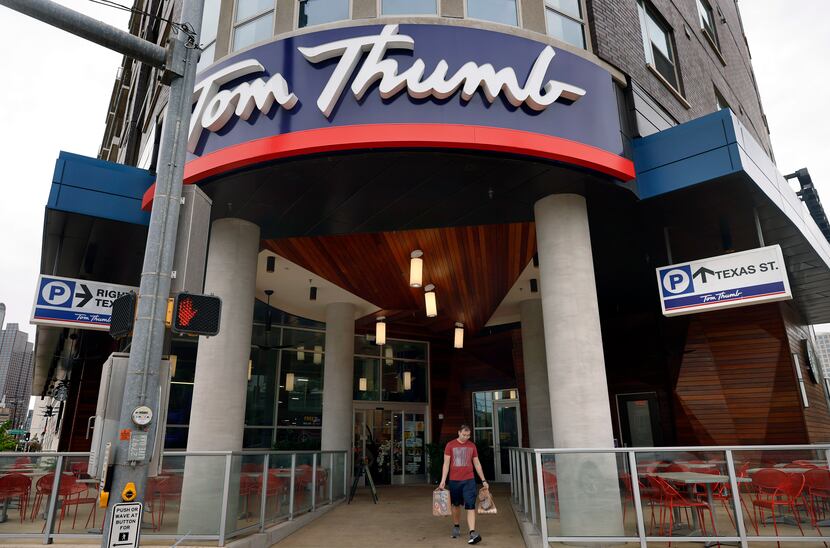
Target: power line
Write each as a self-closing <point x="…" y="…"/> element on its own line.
<point x="184" y="27"/>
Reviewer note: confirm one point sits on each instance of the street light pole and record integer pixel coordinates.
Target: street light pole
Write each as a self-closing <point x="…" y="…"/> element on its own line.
<point x="179" y="62"/>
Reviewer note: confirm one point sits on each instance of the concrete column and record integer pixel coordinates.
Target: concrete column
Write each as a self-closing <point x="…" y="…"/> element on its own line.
<point x="537" y="397"/>
<point x="338" y="378"/>
<point x="588" y="483"/>
<point x="220" y="383"/>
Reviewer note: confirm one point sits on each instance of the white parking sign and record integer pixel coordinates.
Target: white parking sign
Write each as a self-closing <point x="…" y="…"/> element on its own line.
<point x="67" y="302"/>
<point x="125" y="526"/>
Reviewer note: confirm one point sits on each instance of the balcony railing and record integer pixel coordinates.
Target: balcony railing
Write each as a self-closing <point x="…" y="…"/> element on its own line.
<point x="199" y="496"/>
<point x="741" y="495"/>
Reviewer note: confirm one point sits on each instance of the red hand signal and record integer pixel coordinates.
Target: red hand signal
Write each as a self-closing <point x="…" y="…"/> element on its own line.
<point x="186" y="312"/>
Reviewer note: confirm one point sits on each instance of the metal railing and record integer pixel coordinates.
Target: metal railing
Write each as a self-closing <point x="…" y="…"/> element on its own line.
<point x="199" y="496"/>
<point x="716" y="494"/>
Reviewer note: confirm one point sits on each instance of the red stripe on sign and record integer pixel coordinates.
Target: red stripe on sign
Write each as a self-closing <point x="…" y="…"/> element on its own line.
<point x="373" y="136"/>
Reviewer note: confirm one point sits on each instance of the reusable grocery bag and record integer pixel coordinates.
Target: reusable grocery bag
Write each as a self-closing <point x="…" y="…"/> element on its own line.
<point x="441" y="502"/>
<point x="485" y="502"/>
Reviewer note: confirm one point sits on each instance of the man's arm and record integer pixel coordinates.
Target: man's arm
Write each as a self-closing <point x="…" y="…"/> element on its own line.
<point x="477" y="466"/>
<point x="445" y="471"/>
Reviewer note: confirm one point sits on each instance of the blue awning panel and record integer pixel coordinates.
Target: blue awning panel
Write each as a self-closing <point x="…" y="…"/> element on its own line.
<point x="99" y="189"/>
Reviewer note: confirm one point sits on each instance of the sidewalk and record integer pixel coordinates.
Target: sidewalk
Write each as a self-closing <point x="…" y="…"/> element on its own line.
<point x="403" y="517"/>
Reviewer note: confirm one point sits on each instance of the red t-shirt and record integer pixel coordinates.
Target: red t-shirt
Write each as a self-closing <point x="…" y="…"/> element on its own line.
<point x="461" y="459"/>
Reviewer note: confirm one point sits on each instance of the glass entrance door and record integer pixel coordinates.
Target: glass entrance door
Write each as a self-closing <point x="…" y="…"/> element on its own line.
<point x="392" y="442"/>
<point x="507" y="433"/>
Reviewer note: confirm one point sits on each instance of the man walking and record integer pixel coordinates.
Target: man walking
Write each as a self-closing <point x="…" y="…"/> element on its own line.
<point x="460" y="457"/>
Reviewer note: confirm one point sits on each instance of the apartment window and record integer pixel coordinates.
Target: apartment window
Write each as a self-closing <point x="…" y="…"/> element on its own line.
<point x="720" y="101"/>
<point x="497" y="11"/>
<point x="317" y="12"/>
<point x="210" y="25"/>
<point x="707" y="21"/>
<point x="658" y="45"/>
<point x="564" y="21"/>
<point x="253" y="22"/>
<point x="409" y="7"/>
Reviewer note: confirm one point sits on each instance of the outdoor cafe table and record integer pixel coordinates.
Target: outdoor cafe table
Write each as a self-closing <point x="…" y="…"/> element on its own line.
<point x="785" y="470"/>
<point x="707" y="480"/>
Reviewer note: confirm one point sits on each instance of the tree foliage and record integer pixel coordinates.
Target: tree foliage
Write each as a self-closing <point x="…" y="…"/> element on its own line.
<point x="7" y="441"/>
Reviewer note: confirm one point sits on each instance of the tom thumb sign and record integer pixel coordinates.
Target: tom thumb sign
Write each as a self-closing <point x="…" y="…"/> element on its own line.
<point x="725" y="281"/>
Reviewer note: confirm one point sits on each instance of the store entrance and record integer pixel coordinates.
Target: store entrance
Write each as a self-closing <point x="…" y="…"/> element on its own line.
<point x="392" y="442"/>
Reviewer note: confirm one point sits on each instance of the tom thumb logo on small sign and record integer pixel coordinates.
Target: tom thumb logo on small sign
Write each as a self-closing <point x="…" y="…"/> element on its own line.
<point x="725" y="281"/>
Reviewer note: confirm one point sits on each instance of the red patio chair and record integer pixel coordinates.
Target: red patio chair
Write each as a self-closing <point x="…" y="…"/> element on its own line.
<point x="551" y="487"/>
<point x="648" y="495"/>
<point x="775" y="488"/>
<point x="16" y="486"/>
<point x="817" y="482"/>
<point x="671" y="499"/>
<point x="276" y="487"/>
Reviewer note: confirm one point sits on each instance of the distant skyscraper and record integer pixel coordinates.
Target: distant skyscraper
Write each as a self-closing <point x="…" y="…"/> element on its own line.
<point x="2" y="314"/>
<point x="16" y="361"/>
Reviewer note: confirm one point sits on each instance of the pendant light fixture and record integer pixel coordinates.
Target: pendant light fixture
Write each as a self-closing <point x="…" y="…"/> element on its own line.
<point x="458" y="340"/>
<point x="268" y="293"/>
<point x="380" y="330"/>
<point x="301" y="353"/>
<point x="250" y="366"/>
<point x="416" y="268"/>
<point x="289" y="382"/>
<point x="430" y="302"/>
<point x="407" y="380"/>
<point x="362" y="385"/>
<point x="318" y="355"/>
<point x="389" y="353"/>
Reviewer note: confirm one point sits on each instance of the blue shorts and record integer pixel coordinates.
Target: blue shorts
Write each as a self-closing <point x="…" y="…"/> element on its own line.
<point x="463" y="492"/>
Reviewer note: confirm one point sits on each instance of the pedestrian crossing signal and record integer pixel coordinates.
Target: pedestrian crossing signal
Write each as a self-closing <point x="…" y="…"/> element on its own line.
<point x="196" y="314"/>
<point x="122" y="318"/>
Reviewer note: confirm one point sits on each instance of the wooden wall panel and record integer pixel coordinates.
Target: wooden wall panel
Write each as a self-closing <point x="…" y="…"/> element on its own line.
<point x="817" y="416"/>
<point x="736" y="384"/>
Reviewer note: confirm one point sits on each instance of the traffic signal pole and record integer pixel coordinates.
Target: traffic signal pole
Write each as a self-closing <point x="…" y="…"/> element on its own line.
<point x="178" y="60"/>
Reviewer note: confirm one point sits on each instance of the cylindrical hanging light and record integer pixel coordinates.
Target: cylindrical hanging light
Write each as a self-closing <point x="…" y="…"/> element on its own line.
<point x="318" y="355"/>
<point x="513" y="395"/>
<point x="380" y="331"/>
<point x="289" y="382"/>
<point x="363" y="384"/>
<point x="429" y="300"/>
<point x="416" y="268"/>
<point x="389" y="353"/>
<point x="458" y="340"/>
<point x="250" y="366"/>
<point x="301" y="353"/>
<point x="407" y="380"/>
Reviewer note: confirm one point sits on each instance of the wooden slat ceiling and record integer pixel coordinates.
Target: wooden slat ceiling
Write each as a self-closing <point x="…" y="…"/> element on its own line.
<point x="472" y="268"/>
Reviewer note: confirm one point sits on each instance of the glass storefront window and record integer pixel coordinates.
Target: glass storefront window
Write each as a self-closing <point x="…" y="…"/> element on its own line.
<point x="210" y="25"/>
<point x="497" y="11"/>
<point x="366" y="379"/>
<point x="364" y="345"/>
<point x="300" y="390"/>
<point x="262" y="377"/>
<point x="317" y="12"/>
<point x="309" y="345"/>
<point x="298" y="439"/>
<point x="257" y="438"/>
<point x="405" y="350"/>
<point x="253" y="22"/>
<point x="409" y="7"/>
<point x="404" y="381"/>
<point x="483" y="409"/>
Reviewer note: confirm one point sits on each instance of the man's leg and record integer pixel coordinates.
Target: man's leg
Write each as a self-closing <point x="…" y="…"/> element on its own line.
<point x="456" y="515"/>
<point x="471" y="519"/>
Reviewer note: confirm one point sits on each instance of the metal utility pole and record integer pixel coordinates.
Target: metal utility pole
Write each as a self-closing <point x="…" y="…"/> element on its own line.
<point x="178" y="61"/>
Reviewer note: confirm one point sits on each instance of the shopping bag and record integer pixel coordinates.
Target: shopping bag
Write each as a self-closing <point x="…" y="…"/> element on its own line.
<point x="441" y="502"/>
<point x="485" y="502"/>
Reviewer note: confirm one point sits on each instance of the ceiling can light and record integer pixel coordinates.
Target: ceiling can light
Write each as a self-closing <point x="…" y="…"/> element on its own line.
<point x="380" y="331"/>
<point x="289" y="382"/>
<point x="407" y="380"/>
<point x="458" y="339"/>
<point x="430" y="301"/>
<point x="416" y="268"/>
<point x="318" y="355"/>
<point x="363" y="384"/>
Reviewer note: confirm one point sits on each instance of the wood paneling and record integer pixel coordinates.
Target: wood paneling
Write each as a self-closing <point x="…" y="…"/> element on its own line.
<point x="817" y="416"/>
<point x="735" y="384"/>
<point x="472" y="268"/>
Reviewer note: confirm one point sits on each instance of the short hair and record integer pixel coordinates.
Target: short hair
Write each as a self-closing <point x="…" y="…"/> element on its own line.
<point x="464" y="427"/>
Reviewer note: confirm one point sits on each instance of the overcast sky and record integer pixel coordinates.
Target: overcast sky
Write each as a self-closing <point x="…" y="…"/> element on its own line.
<point x="56" y="88"/>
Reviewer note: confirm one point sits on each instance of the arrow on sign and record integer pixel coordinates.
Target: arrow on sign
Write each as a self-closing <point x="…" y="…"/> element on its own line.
<point x="86" y="296"/>
<point x="703" y="272"/>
